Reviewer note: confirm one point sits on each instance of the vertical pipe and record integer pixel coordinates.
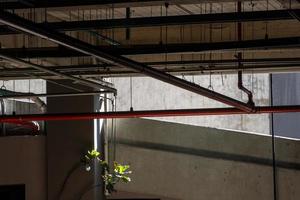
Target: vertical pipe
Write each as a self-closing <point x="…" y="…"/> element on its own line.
<point x="240" y="57"/>
<point x="273" y="142"/>
<point x="3" y="113"/>
<point x="98" y="145"/>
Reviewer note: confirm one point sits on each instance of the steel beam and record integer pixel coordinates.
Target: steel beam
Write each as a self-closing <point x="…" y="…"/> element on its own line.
<point x="85" y="48"/>
<point x="167" y="20"/>
<point x="146" y="113"/>
<point x="180" y="69"/>
<point x="294" y="14"/>
<point x="59" y="74"/>
<point x="200" y="63"/>
<point x="73" y="4"/>
<point x="51" y="95"/>
<point x="260" y="44"/>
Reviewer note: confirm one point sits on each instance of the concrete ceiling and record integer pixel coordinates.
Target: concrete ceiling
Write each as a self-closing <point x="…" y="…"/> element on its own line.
<point x="156" y="37"/>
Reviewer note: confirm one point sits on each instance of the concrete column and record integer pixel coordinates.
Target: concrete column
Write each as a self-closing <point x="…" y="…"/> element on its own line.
<point x="67" y="142"/>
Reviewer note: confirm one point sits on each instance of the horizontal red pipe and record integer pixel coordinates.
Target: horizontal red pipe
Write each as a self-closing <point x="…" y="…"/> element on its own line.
<point x="147" y="113"/>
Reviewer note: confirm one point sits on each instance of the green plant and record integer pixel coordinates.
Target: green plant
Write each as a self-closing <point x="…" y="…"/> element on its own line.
<point x="120" y="173"/>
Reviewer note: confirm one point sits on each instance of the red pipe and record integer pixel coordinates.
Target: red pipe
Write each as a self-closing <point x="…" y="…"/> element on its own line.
<point x="147" y="113"/>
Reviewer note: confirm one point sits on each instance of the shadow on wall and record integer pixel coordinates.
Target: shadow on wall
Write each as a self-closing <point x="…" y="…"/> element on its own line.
<point x="194" y="163"/>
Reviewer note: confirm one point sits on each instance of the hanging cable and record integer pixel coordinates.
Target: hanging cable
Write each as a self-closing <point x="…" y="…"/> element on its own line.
<point x="272" y="126"/>
<point x="210" y="53"/>
<point x="222" y="9"/>
<point x="131" y="104"/>
<point x="273" y="143"/>
<point x="111" y="136"/>
<point x="115" y="134"/>
<point x="161" y="28"/>
<point x="267" y="23"/>
<point x="210" y="82"/>
<point x="166" y="36"/>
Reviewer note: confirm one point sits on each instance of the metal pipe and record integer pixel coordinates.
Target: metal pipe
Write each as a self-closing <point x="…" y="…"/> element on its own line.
<point x="271" y="44"/>
<point x="227" y="65"/>
<point x="164" y="21"/>
<point x="3" y="113"/>
<point x="30" y="95"/>
<point x="80" y="46"/>
<point x="244" y="89"/>
<point x="148" y="113"/>
<point x="53" y="72"/>
<point x="240" y="57"/>
<point x="186" y="68"/>
<point x="79" y="4"/>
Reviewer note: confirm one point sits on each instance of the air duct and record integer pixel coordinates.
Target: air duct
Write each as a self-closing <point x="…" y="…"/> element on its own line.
<point x="39" y="103"/>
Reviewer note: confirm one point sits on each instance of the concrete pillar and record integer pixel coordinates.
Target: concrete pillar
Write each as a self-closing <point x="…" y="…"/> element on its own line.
<point x="67" y="142"/>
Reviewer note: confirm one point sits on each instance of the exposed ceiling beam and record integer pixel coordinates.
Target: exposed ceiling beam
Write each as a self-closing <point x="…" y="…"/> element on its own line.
<point x="80" y="46"/>
<point x="184" y="63"/>
<point x="295" y="14"/>
<point x="167" y="20"/>
<point x="75" y="4"/>
<point x="59" y="74"/>
<point x="95" y="71"/>
<point x="261" y="44"/>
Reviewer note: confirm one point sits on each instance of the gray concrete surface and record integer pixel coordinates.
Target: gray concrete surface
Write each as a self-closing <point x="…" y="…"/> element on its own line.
<point x="197" y="163"/>
<point x="151" y="94"/>
<point x="67" y="143"/>
<point x="285" y="91"/>
<point x="23" y="161"/>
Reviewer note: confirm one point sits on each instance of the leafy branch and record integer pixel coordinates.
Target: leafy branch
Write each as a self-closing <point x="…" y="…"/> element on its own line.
<point x="120" y="173"/>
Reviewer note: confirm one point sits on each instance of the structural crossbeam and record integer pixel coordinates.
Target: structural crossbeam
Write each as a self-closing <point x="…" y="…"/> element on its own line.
<point x="27" y="26"/>
<point x="260" y="44"/>
<point x="167" y="20"/>
<point x="64" y="4"/>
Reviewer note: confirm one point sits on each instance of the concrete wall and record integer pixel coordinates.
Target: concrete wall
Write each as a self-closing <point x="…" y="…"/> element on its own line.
<point x="151" y="94"/>
<point x="196" y="163"/>
<point x="67" y="143"/>
<point x="285" y="91"/>
<point x="23" y="161"/>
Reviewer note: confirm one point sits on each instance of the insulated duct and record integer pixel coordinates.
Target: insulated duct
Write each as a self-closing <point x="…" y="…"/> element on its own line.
<point x="39" y="103"/>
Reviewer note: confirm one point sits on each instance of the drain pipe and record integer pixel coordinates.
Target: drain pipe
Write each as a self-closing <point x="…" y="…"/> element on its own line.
<point x="239" y="58"/>
<point x="240" y="83"/>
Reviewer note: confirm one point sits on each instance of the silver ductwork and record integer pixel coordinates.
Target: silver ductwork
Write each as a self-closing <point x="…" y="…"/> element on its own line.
<point x="38" y="102"/>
